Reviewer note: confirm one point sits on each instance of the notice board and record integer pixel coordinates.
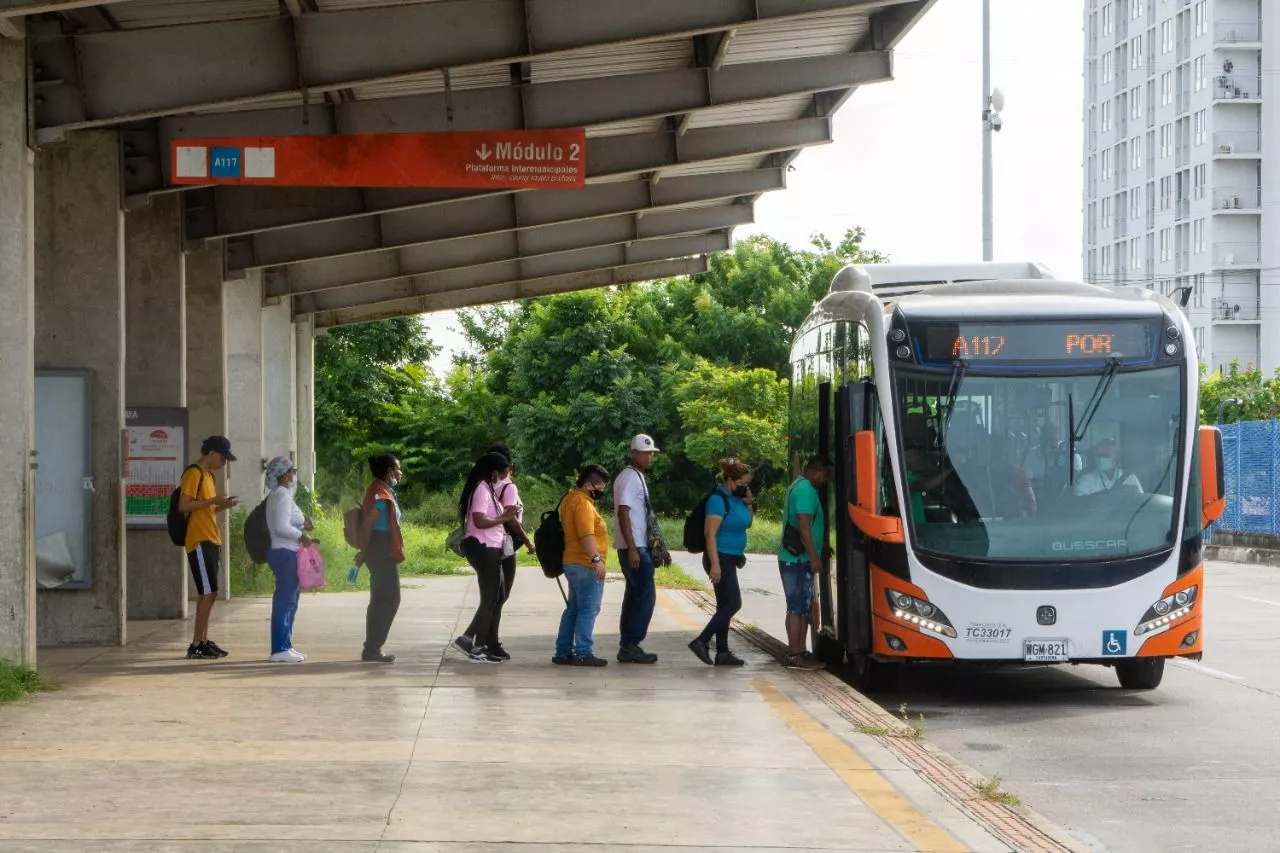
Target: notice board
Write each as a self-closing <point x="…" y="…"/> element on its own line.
<point x="156" y="456"/>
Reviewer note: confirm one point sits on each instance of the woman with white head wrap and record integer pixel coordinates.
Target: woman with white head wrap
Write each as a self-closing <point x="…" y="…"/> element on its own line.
<point x="288" y="527"/>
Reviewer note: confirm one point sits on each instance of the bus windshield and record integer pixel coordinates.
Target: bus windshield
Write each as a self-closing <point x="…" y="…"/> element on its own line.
<point x="993" y="473"/>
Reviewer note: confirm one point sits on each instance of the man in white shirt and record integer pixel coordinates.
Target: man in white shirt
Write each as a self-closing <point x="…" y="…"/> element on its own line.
<point x="632" y="534"/>
<point x="1107" y="473"/>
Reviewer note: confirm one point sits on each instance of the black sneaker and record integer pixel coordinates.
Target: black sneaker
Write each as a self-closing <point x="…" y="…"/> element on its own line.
<point x="635" y="654"/>
<point x="589" y="660"/>
<point x="729" y="659"/>
<point x="217" y="650"/>
<point x="702" y="650"/>
<point x="562" y="661"/>
<point x="200" y="652"/>
<point x="464" y="644"/>
<point x="377" y="657"/>
<point x="480" y="654"/>
<point x="497" y="652"/>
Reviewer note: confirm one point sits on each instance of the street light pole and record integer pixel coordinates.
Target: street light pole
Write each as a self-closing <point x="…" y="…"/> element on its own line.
<point x="1223" y="407"/>
<point x="988" y="239"/>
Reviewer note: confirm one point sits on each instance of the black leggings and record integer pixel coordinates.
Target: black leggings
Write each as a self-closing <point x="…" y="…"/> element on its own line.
<point x="508" y="578"/>
<point x="488" y="565"/>
<point x="384" y="592"/>
<point x="728" y="601"/>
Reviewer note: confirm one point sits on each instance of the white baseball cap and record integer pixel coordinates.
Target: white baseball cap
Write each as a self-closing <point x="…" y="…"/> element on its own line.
<point x="644" y="444"/>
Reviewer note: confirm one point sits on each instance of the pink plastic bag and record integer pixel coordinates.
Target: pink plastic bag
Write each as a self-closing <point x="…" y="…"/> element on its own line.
<point x="310" y="568"/>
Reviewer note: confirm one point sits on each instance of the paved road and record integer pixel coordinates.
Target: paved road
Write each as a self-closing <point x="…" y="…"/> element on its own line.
<point x="1192" y="766"/>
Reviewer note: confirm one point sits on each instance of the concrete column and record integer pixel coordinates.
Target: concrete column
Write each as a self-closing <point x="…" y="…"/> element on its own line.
<point x="17" y="355"/>
<point x="155" y="375"/>
<point x="305" y="360"/>
<point x="207" y="370"/>
<point x="279" y="398"/>
<point x="242" y="303"/>
<point x="80" y="324"/>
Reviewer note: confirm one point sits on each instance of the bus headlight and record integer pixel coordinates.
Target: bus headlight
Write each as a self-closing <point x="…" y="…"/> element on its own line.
<point x="921" y="613"/>
<point x="1167" y="610"/>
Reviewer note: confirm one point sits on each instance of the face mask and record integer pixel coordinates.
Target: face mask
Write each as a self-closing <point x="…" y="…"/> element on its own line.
<point x="741" y="492"/>
<point x="595" y="494"/>
<point x="1106" y="463"/>
<point x="293" y="487"/>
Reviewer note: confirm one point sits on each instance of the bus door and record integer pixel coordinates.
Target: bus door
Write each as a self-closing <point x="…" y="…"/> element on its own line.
<point x="852" y="605"/>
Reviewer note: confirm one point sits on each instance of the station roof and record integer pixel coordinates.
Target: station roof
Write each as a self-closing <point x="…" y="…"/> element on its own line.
<point x="693" y="110"/>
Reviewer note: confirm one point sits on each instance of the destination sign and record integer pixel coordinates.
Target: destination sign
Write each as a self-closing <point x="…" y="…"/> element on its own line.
<point x="1038" y="342"/>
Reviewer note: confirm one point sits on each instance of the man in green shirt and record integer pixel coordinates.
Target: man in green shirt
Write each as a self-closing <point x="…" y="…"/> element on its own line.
<point x="804" y="538"/>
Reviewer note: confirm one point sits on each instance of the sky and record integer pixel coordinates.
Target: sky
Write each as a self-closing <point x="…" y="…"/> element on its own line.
<point x="906" y="164"/>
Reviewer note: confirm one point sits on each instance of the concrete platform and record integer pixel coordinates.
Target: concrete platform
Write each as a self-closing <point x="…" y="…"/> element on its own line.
<point x="142" y="750"/>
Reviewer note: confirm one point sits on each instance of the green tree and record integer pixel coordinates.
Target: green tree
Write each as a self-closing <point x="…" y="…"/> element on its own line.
<point x="1259" y="394"/>
<point x="730" y="411"/>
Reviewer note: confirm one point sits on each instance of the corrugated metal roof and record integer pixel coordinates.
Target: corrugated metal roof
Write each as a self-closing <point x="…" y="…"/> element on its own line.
<point x="777" y="109"/>
<point x="735" y="164"/>
<point x="612" y="60"/>
<point x="821" y="35"/>
<point x="163" y="13"/>
<point x="471" y="77"/>
<point x="343" y="5"/>
<point x="622" y="128"/>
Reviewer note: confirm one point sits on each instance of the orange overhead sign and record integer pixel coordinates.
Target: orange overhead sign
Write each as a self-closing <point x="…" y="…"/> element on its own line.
<point x="500" y="159"/>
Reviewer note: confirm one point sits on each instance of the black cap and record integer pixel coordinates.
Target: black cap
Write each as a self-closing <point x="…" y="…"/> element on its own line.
<point x="218" y="444"/>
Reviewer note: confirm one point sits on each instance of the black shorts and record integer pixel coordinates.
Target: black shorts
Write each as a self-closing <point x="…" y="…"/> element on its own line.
<point x="205" y="562"/>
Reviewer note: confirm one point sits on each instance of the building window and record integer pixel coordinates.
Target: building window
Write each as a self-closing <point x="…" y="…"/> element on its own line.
<point x="1202" y="18"/>
<point x="1093" y="222"/>
<point x="1166" y="36"/>
<point x="1108" y="66"/>
<point x="1106" y="164"/>
<point x="1166" y="141"/>
<point x="1106" y="213"/>
<point x="1106" y="259"/>
<point x="1135" y="102"/>
<point x="1165" y="250"/>
<point x="1198" y="333"/>
<point x="1201" y="120"/>
<point x="1166" y="192"/>
<point x="1135" y="53"/>
<point x="1200" y="178"/>
<point x="1108" y="19"/>
<point x="1135" y="153"/>
<point x="1135" y="203"/>
<point x="1135" y="254"/>
<point x="1197" y="236"/>
<point x="1135" y="9"/>
<point x="1106" y="115"/>
<point x="1166" y="88"/>
<point x="1198" y="73"/>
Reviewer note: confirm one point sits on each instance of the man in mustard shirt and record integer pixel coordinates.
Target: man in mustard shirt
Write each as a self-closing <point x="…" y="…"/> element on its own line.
<point x="586" y="541"/>
<point x="200" y="502"/>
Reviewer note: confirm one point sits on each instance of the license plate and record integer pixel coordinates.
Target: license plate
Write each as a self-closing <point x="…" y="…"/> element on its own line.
<point x="1042" y="651"/>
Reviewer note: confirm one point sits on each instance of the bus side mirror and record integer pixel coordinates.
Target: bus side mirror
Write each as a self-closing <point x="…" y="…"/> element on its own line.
<point x="863" y="513"/>
<point x="1213" y="485"/>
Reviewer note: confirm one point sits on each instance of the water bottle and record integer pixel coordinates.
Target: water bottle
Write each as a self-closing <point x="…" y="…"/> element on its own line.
<point x="352" y="574"/>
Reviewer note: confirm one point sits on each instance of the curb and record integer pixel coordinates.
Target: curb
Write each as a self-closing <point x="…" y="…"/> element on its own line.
<point x="1240" y="554"/>
<point x="1020" y="827"/>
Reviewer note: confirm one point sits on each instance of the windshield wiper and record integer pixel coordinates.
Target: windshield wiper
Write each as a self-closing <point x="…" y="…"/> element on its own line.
<point x="1090" y="409"/>
<point x="958" y="370"/>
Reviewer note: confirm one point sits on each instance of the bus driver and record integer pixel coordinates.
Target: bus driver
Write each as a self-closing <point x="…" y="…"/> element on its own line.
<point x="1106" y="473"/>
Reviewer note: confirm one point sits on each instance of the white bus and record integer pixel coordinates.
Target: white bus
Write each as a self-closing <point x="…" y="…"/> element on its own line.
<point x="1019" y="471"/>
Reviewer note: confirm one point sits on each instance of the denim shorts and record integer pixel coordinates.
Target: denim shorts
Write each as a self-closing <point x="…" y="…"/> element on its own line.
<point x="797" y="586"/>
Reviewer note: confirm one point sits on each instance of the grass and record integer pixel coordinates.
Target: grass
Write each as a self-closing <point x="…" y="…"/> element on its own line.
<point x="17" y="681"/>
<point x="425" y="555"/>
<point x="990" y="788"/>
<point x="909" y="730"/>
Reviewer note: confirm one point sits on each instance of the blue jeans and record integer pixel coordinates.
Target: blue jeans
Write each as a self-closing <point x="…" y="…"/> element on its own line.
<point x="578" y="623"/>
<point x="284" y="601"/>
<point x="797" y="586"/>
<point x="728" y="601"/>
<point x="638" y="601"/>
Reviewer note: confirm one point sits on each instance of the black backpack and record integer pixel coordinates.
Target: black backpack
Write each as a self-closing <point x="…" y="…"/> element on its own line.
<point x="695" y="526"/>
<point x="177" y="521"/>
<point x="257" y="538"/>
<point x="548" y="543"/>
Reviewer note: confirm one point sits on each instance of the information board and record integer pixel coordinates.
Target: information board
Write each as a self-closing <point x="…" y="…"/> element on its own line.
<point x="157" y="455"/>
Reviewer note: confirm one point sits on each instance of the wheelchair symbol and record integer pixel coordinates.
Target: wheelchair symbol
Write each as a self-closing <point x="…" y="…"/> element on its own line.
<point x="1114" y="642"/>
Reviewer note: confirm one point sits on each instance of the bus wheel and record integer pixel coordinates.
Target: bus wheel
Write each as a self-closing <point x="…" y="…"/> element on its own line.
<point x="873" y="676"/>
<point x="1140" y="673"/>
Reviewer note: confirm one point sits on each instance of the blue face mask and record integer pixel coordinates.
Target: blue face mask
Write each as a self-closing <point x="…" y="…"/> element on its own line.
<point x="1106" y="464"/>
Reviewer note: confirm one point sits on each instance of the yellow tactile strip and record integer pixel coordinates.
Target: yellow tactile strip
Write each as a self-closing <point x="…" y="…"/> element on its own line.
<point x="1017" y="828"/>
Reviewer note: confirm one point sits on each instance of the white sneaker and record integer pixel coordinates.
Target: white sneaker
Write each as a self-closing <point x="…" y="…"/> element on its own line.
<point x="298" y="653"/>
<point x="287" y="656"/>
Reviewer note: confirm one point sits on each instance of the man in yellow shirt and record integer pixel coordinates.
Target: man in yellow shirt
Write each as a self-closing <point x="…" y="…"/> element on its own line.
<point x="200" y="502"/>
<point x="586" y="541"/>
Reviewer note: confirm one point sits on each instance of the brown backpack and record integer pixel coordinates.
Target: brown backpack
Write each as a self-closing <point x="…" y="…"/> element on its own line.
<point x="352" y="524"/>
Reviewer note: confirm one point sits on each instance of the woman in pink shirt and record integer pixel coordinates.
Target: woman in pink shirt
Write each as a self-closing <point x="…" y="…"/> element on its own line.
<point x="485" y="519"/>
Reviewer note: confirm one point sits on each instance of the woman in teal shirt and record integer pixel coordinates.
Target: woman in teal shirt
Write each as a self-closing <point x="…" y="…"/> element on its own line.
<point x="728" y="517"/>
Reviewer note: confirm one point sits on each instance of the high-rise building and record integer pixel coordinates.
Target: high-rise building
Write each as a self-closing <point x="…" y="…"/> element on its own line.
<point x="1177" y="146"/>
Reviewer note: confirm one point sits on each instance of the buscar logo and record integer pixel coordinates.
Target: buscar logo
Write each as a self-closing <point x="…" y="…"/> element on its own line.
<point x="1092" y="545"/>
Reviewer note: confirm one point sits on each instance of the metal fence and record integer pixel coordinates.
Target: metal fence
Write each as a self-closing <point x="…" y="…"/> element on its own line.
<point x="1251" y="456"/>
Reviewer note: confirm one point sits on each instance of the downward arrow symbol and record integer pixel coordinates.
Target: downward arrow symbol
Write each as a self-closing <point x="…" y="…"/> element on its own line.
<point x="483" y="152"/>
